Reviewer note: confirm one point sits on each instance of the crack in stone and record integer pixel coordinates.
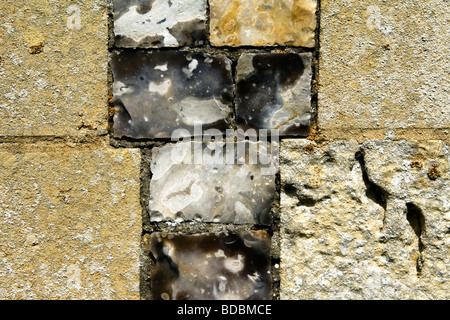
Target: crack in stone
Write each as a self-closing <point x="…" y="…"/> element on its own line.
<point x="416" y="220"/>
<point x="373" y="191"/>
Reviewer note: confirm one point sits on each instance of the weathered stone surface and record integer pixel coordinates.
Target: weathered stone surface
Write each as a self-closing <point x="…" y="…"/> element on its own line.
<point x="49" y="52"/>
<point x="159" y="23"/>
<point x="212" y="267"/>
<point x="273" y="91"/>
<point x="385" y="68"/>
<point x="415" y="180"/>
<point x="70" y="223"/>
<point x="206" y="182"/>
<point x="156" y="93"/>
<point x="364" y="221"/>
<point x="255" y="23"/>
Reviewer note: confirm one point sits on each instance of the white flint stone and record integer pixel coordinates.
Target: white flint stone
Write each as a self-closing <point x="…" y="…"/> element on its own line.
<point x="364" y="221"/>
<point x="188" y="183"/>
<point x="211" y="266"/>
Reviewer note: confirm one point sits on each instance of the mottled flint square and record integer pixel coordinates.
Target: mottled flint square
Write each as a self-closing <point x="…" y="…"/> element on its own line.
<point x="273" y="91"/>
<point x="263" y="23"/>
<point x="213" y="182"/>
<point x="159" y="23"/>
<point x="233" y="266"/>
<point x="155" y="93"/>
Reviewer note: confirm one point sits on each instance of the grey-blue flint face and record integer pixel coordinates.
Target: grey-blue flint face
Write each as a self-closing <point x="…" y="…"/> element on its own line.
<point x="273" y="91"/>
<point x="156" y="93"/>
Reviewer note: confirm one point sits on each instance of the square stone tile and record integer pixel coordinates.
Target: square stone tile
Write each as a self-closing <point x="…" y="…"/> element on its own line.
<point x="159" y="23"/>
<point x="273" y="91"/>
<point x="387" y="70"/>
<point x="212" y="267"/>
<point x="263" y="23"/>
<point x="156" y="93"/>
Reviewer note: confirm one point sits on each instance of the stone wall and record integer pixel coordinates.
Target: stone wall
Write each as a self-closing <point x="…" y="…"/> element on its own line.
<point x="93" y="204"/>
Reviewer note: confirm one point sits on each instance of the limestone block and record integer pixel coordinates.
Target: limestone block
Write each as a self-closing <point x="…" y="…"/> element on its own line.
<point x="159" y="23"/>
<point x="273" y="91"/>
<point x="414" y="178"/>
<point x="364" y="221"/>
<point x="156" y="93"/>
<point x="384" y="65"/>
<point x="263" y="23"/>
<point x="210" y="187"/>
<point x="233" y="266"/>
<point x="53" y="68"/>
<point x="70" y="223"/>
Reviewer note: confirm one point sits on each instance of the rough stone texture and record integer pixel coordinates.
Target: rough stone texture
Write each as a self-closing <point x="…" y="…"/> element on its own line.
<point x="159" y="23"/>
<point x="233" y="266"/>
<point x="195" y="181"/>
<point x="273" y="91"/>
<point x="384" y="65"/>
<point x="156" y="93"/>
<point x="364" y="221"/>
<point x="263" y="23"/>
<point x="70" y="223"/>
<point x="53" y="68"/>
<point x="359" y="219"/>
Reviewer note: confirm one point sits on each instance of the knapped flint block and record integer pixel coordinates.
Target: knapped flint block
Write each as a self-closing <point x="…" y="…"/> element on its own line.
<point x="233" y="266"/>
<point x="273" y="91"/>
<point x="263" y="23"/>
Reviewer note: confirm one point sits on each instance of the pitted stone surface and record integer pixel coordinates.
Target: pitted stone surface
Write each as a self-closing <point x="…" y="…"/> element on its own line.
<point x="364" y="221"/>
<point x="401" y="169"/>
<point x="385" y="68"/>
<point x="49" y="52"/>
<point x="159" y="23"/>
<point x="234" y="266"/>
<point x="273" y="91"/>
<point x="256" y="23"/>
<point x="156" y="93"/>
<point x="70" y="223"/>
<point x="212" y="189"/>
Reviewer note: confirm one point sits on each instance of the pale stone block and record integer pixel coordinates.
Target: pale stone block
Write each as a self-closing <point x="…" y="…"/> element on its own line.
<point x="384" y="65"/>
<point x="70" y="223"/>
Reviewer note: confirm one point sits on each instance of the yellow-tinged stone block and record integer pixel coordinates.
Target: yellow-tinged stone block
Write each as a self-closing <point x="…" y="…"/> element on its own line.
<point x="263" y="23"/>
<point x="53" y="68"/>
<point x="384" y="66"/>
<point x="70" y="223"/>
